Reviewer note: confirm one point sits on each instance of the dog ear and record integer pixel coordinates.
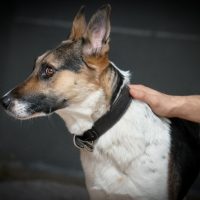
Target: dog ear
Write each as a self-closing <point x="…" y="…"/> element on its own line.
<point x="96" y="37"/>
<point x="79" y="25"/>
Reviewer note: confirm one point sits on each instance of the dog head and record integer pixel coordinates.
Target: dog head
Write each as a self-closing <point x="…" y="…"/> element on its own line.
<point x="67" y="74"/>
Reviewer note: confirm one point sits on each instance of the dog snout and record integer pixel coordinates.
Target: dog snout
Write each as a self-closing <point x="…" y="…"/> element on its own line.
<point x="6" y="100"/>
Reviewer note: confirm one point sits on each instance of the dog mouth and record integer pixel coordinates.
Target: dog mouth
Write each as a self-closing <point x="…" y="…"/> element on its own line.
<point x="32" y="106"/>
<point x="22" y="110"/>
<point x="23" y="115"/>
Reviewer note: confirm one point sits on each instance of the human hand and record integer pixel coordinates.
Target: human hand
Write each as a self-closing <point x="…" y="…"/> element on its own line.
<point x="160" y="103"/>
<point x="185" y="107"/>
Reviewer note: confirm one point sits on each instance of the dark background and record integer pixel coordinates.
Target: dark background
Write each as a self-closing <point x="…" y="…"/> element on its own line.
<point x="159" y="42"/>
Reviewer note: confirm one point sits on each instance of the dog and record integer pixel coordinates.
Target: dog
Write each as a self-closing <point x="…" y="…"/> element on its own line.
<point x="127" y="152"/>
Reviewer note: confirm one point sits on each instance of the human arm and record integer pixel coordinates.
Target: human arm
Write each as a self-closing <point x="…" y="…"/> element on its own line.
<point x="186" y="107"/>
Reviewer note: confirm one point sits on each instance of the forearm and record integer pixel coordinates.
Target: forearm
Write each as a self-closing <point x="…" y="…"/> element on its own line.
<point x="186" y="107"/>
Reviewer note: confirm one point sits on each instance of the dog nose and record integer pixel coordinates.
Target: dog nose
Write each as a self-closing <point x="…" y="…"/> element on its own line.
<point x="5" y="101"/>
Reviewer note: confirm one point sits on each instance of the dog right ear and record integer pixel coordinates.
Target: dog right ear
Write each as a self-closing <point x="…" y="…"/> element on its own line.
<point x="79" y="25"/>
<point x="98" y="31"/>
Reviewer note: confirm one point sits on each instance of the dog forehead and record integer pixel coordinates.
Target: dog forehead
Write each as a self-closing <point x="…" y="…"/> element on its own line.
<point x="67" y="55"/>
<point x="68" y="48"/>
<point x="50" y="58"/>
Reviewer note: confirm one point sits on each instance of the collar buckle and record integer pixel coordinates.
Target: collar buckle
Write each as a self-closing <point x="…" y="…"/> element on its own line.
<point x="118" y="108"/>
<point x="86" y="141"/>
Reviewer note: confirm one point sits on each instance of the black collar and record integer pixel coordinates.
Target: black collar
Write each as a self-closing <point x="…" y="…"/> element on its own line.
<point x="104" y="123"/>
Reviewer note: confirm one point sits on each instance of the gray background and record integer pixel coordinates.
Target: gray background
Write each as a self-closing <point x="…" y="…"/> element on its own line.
<point x="158" y="42"/>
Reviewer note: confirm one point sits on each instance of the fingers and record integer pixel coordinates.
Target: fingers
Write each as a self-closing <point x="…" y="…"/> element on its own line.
<point x="143" y="93"/>
<point x="143" y="88"/>
<point x="136" y="93"/>
<point x="160" y="103"/>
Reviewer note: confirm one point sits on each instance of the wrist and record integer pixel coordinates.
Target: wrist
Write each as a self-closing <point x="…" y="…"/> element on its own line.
<point x="177" y="106"/>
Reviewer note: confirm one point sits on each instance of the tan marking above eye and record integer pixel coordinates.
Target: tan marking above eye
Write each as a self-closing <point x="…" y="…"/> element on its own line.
<point x="50" y="59"/>
<point x="39" y="59"/>
<point x="53" y="61"/>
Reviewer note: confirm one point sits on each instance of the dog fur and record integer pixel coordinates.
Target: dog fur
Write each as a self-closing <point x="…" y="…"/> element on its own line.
<point x="142" y="157"/>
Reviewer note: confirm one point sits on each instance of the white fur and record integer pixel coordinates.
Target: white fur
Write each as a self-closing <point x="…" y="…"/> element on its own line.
<point x="19" y="110"/>
<point x="81" y="117"/>
<point x="126" y="74"/>
<point x="130" y="161"/>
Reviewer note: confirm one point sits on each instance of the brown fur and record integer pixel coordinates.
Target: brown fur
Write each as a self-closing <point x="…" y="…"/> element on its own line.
<point x="79" y="25"/>
<point x="81" y="67"/>
<point x="98" y="63"/>
<point x="80" y="63"/>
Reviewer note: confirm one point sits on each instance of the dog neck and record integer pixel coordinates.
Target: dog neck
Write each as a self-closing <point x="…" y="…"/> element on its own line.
<point x="81" y="117"/>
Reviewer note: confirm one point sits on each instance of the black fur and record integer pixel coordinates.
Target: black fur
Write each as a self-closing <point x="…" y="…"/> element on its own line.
<point x="185" y="155"/>
<point x="117" y="82"/>
<point x="39" y="102"/>
<point x="70" y="53"/>
<point x="43" y="103"/>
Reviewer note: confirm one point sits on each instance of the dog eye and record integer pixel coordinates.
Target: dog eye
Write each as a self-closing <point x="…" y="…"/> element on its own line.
<point x="49" y="71"/>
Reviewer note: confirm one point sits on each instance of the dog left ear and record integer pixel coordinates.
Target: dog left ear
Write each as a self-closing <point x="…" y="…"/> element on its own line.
<point x="96" y="37"/>
<point x="79" y="25"/>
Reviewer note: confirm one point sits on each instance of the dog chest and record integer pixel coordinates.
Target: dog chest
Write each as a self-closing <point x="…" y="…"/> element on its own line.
<point x="131" y="159"/>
